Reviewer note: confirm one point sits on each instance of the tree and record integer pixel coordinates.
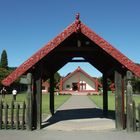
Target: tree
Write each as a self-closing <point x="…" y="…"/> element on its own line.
<point x="136" y="84"/>
<point x="57" y="77"/>
<point x="4" y="60"/>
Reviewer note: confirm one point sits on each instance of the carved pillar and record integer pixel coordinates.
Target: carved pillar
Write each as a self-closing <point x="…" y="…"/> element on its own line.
<point x="105" y="95"/>
<point x="52" y="94"/>
<point x="129" y="102"/>
<point x="29" y="102"/>
<point x="119" y="101"/>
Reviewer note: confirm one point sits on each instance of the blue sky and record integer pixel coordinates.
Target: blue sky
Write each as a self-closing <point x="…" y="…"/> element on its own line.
<point x="27" y="25"/>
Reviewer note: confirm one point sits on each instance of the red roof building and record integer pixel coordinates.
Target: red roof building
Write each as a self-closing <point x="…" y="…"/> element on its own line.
<point x="79" y="82"/>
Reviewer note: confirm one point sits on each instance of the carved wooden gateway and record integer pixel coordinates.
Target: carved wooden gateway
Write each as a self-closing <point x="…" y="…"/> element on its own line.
<point x="77" y="40"/>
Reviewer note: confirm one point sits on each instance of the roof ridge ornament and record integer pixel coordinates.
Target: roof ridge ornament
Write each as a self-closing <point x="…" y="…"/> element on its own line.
<point x="77" y="23"/>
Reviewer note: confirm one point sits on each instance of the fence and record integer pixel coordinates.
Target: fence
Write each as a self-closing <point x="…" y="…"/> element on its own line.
<point x="133" y="117"/>
<point x="12" y="116"/>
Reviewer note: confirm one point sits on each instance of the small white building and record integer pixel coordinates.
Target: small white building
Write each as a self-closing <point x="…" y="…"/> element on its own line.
<point x="79" y="82"/>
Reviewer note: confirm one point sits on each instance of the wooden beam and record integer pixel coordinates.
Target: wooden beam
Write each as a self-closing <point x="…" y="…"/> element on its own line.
<point x="105" y="95"/>
<point x="37" y="97"/>
<point x="111" y="71"/>
<point x="78" y="60"/>
<point x="75" y="48"/>
<point x="52" y="94"/>
<point x="119" y="101"/>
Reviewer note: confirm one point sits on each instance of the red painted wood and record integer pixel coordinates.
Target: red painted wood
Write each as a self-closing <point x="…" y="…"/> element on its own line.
<point x="78" y="70"/>
<point x="77" y="27"/>
<point x="82" y="71"/>
<point x="108" y="48"/>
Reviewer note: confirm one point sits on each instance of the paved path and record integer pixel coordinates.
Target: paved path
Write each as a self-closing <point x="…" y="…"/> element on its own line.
<point x="73" y="103"/>
<point x="79" y="113"/>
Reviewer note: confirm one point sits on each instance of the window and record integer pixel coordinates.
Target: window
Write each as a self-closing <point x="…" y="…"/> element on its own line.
<point x="67" y="86"/>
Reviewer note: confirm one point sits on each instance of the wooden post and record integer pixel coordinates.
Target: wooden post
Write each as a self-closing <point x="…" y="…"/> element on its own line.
<point x="29" y="103"/>
<point x="123" y="102"/>
<point x="130" y="116"/>
<point x="139" y="117"/>
<point x="39" y="102"/>
<point x="17" y="116"/>
<point x="129" y="102"/>
<point x="23" y="115"/>
<point x="38" y="97"/>
<point x="119" y="104"/>
<point x="1" y="114"/>
<point x="12" y="114"/>
<point x="134" y="116"/>
<point x="6" y="116"/>
<point x="105" y="95"/>
<point x="52" y="94"/>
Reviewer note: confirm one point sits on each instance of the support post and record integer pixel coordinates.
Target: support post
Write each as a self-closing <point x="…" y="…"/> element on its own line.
<point x="6" y="116"/>
<point x="17" y="116"/>
<point x="23" y="115"/>
<point x="29" y="103"/>
<point x="129" y="103"/>
<point x="119" y="103"/>
<point x="105" y="95"/>
<point x="52" y="94"/>
<point x="12" y="114"/>
<point x="134" y="117"/>
<point x="38" y="82"/>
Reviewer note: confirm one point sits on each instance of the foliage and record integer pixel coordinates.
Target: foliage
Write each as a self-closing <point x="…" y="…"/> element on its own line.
<point x="109" y="82"/>
<point x="136" y="84"/>
<point x="4" y="60"/>
<point x="3" y="74"/>
<point x="57" y="77"/>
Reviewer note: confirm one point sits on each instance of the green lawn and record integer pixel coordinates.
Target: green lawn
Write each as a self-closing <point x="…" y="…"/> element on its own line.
<point x="59" y="100"/>
<point x="98" y="100"/>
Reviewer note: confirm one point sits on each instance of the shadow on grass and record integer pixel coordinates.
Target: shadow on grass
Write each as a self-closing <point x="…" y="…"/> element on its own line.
<point x="71" y="114"/>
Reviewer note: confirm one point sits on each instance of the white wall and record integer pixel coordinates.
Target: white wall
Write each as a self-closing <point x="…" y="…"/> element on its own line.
<point x="90" y="85"/>
<point x="69" y="81"/>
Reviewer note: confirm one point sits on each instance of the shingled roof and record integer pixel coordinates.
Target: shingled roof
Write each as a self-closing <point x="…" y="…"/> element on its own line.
<point x="79" y="28"/>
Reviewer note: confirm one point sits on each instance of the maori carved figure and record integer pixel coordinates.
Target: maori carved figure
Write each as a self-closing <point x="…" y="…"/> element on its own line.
<point x="78" y="23"/>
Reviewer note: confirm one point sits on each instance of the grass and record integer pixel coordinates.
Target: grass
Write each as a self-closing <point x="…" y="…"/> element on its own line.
<point x="98" y="100"/>
<point x="59" y="100"/>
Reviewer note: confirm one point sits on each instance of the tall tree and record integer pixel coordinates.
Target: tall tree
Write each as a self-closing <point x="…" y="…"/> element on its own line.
<point x="4" y="60"/>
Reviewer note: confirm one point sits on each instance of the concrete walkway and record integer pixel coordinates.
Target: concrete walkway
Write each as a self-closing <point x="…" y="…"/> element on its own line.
<point x="79" y="113"/>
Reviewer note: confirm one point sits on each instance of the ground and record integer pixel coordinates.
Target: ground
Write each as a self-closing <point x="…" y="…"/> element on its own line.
<point x="68" y="135"/>
<point x="73" y="115"/>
